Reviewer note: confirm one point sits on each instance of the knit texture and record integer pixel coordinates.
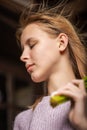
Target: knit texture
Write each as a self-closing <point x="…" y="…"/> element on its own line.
<point x="44" y="117"/>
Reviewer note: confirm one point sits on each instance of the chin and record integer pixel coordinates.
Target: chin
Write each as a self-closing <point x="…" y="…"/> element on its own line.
<point x="37" y="78"/>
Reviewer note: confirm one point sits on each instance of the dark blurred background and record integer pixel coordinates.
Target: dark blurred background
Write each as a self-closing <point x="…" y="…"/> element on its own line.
<point x="17" y="91"/>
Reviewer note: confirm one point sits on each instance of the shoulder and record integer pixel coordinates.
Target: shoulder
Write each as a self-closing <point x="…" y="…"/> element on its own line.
<point x="24" y="115"/>
<point x="22" y="119"/>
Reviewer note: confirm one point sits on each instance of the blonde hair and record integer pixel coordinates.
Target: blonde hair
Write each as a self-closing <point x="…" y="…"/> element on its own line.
<point x="55" y="20"/>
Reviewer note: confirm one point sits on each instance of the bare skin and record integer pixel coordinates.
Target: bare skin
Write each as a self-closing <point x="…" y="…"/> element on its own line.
<point x="46" y="59"/>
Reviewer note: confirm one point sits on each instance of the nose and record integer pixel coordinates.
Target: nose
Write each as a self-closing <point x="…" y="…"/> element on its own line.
<point x="25" y="55"/>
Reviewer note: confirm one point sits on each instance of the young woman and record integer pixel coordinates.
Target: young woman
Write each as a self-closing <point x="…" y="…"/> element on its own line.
<point x="53" y="52"/>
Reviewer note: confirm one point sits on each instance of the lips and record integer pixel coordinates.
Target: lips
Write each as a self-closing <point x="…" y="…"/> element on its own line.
<point x="29" y="67"/>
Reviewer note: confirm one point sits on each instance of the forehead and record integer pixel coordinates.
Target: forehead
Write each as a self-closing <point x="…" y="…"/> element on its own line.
<point x="31" y="27"/>
<point x="32" y="30"/>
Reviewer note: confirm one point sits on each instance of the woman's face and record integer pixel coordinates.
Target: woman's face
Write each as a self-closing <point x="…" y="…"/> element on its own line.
<point x="40" y="53"/>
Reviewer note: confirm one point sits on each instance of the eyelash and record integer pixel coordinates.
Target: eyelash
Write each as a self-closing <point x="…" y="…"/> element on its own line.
<point x="32" y="45"/>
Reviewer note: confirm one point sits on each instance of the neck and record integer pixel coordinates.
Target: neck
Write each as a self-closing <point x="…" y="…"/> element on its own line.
<point x="60" y="79"/>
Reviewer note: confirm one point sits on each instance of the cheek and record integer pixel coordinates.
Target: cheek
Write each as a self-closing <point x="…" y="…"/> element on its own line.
<point x="38" y="53"/>
<point x="45" y="63"/>
<point x="45" y="53"/>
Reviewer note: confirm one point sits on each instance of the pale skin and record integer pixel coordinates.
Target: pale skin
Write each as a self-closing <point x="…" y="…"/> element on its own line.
<point x="46" y="59"/>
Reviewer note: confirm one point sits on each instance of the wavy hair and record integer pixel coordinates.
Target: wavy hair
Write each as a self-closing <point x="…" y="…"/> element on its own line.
<point x="55" y="20"/>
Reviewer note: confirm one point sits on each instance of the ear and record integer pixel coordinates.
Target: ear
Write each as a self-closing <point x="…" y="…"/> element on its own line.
<point x="62" y="41"/>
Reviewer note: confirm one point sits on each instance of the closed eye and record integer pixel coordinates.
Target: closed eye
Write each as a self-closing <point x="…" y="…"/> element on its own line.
<point x="32" y="43"/>
<point x="31" y="46"/>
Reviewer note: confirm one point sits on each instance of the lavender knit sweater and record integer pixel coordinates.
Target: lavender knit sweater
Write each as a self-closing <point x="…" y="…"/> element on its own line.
<point x="44" y="117"/>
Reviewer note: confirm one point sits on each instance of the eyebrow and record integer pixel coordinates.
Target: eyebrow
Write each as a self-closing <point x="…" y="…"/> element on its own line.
<point x="30" y="40"/>
<point x="26" y="42"/>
